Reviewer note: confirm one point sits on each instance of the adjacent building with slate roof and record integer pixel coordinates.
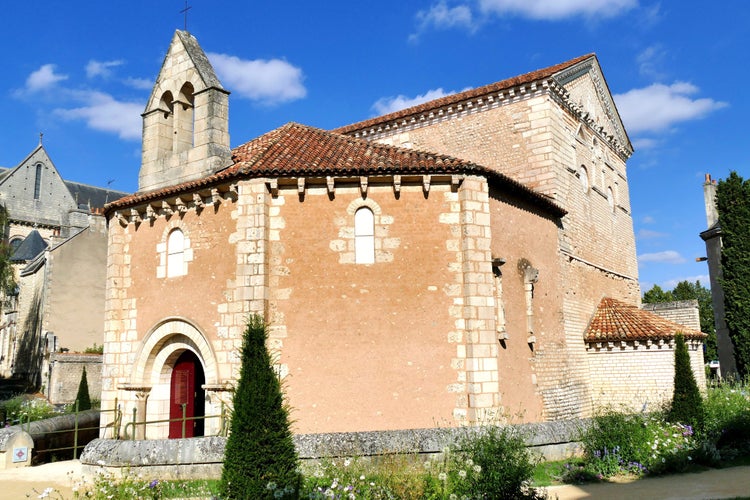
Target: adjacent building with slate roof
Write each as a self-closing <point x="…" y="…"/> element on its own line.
<point x="441" y="264"/>
<point x="57" y="238"/>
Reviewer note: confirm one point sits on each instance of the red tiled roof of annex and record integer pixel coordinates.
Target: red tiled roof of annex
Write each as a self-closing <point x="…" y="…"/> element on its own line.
<point x="448" y="100"/>
<point x="300" y="150"/>
<point x="615" y="320"/>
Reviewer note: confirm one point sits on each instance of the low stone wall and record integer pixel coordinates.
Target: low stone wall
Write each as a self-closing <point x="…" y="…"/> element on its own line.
<point x="65" y="376"/>
<point x="203" y="457"/>
<point x="45" y="435"/>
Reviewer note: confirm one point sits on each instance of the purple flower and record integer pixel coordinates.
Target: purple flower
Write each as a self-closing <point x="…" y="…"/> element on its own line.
<point x="153" y="484"/>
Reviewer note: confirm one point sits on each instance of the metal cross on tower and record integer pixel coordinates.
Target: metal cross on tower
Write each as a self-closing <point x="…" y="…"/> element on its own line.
<point x="185" y="11"/>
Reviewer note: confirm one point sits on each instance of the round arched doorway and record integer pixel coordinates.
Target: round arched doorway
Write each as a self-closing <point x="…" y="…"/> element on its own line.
<point x="187" y="397"/>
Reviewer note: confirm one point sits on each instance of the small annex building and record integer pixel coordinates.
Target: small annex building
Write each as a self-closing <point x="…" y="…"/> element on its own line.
<point x="441" y="265"/>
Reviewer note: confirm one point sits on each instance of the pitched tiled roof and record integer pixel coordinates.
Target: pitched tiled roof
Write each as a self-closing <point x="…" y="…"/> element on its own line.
<point x="295" y="150"/>
<point x="615" y="320"/>
<point x="532" y="76"/>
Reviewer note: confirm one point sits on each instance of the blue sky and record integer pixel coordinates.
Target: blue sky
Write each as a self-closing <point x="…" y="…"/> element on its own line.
<point x="81" y="71"/>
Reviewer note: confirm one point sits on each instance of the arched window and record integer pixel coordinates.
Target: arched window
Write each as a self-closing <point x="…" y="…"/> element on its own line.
<point x="583" y="176"/>
<point x="15" y="242"/>
<point x="364" y="236"/>
<point x="611" y="199"/>
<point x="176" y="254"/>
<point x="184" y="119"/>
<point x="38" y="181"/>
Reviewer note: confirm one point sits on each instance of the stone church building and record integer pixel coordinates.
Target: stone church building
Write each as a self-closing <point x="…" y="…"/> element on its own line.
<point x="465" y="260"/>
<point x="57" y="239"/>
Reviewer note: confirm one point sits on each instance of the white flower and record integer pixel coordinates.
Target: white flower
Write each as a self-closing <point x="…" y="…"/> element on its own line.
<point x="477" y="468"/>
<point x="271" y="486"/>
<point x="469" y="462"/>
<point x="442" y="476"/>
<point x="462" y="474"/>
<point x="362" y="477"/>
<point x="347" y="462"/>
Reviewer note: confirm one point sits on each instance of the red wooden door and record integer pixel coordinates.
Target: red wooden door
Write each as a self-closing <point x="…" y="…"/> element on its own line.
<point x="187" y="378"/>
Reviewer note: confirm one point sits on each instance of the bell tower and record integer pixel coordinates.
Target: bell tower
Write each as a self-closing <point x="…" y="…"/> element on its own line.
<point x="186" y="121"/>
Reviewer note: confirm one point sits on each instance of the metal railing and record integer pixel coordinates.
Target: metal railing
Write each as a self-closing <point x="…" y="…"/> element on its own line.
<point x="80" y="434"/>
<point x="132" y="426"/>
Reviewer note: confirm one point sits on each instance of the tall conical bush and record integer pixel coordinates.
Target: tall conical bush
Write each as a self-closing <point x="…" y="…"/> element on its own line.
<point x="687" y="402"/>
<point x="260" y="460"/>
<point x="83" y="398"/>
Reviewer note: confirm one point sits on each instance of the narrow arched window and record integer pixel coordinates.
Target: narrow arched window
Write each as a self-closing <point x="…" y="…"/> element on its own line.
<point x="364" y="236"/>
<point x="38" y="181"/>
<point x="583" y="176"/>
<point x="611" y="199"/>
<point x="176" y="254"/>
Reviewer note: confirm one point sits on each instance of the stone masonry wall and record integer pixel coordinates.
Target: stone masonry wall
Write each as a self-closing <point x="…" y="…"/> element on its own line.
<point x="682" y="312"/>
<point x="645" y="373"/>
<point x="65" y="376"/>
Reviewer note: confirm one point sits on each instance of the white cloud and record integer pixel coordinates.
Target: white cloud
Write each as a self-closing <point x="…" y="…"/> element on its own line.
<point x="441" y="16"/>
<point x="553" y="10"/>
<point x="386" y="105"/>
<point x="666" y="257"/>
<point x="43" y="78"/>
<point x="648" y="234"/>
<point x="658" y="107"/>
<point x="650" y="60"/>
<point x="101" y="68"/>
<point x="103" y="112"/>
<point x="270" y="81"/>
<point x="647" y="219"/>
<point x="139" y="83"/>
<point x="645" y="143"/>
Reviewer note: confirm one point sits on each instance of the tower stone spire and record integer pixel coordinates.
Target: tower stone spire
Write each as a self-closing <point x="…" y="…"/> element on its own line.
<point x="186" y="121"/>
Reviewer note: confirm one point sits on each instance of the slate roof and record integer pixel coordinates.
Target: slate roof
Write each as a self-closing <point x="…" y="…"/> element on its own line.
<point x="295" y="150"/>
<point x="31" y="246"/>
<point x="532" y="76"/>
<point x="615" y="320"/>
<point x="92" y="196"/>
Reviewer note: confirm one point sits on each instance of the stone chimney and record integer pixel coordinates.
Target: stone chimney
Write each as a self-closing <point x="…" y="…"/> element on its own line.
<point x="709" y="198"/>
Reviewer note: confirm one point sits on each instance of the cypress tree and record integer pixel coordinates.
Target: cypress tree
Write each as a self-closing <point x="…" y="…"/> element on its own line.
<point x="687" y="403"/>
<point x="83" y="398"/>
<point x="733" y="204"/>
<point x="260" y="460"/>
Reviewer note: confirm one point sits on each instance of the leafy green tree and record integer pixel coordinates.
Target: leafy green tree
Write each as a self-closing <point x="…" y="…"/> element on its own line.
<point x="7" y="276"/>
<point x="733" y="204"/>
<point x="260" y="460"/>
<point x="686" y="290"/>
<point x="657" y="295"/>
<point x="83" y="398"/>
<point x="687" y="403"/>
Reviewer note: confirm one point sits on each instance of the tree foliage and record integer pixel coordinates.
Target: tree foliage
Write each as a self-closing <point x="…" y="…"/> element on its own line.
<point x="733" y="204"/>
<point x="7" y="276"/>
<point x="685" y="290"/>
<point x="687" y="403"/>
<point x="83" y="397"/>
<point x="260" y="460"/>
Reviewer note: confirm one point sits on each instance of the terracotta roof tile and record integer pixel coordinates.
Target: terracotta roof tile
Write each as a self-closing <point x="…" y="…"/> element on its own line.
<point x="615" y="320"/>
<point x="299" y="150"/>
<point x="532" y="76"/>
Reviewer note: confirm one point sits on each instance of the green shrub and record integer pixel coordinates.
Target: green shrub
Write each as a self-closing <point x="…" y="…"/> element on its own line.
<point x="23" y="408"/>
<point x="619" y="434"/>
<point x="497" y="464"/>
<point x="260" y="460"/>
<point x="687" y="403"/>
<point x="727" y="423"/>
<point x="83" y="398"/>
